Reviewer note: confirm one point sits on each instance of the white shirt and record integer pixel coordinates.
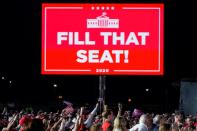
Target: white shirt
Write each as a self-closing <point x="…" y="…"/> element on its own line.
<point x="117" y="129"/>
<point x="139" y="127"/>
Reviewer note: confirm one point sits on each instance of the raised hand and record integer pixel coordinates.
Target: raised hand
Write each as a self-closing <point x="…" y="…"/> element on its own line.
<point x="119" y="106"/>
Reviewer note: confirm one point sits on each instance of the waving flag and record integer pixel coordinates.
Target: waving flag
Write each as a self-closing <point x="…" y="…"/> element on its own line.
<point x="67" y="103"/>
<point x="68" y="110"/>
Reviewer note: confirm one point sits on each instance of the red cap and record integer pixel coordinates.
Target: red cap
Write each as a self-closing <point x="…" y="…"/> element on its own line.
<point x="23" y="120"/>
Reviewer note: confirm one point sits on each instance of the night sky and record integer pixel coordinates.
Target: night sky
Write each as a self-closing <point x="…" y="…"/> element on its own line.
<point x="20" y="55"/>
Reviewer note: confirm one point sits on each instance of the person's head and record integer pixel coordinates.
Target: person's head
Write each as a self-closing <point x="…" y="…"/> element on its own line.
<point x="143" y="119"/>
<point x="137" y="113"/>
<point x="25" y="122"/>
<point x="146" y="119"/>
<point x="149" y="120"/>
<point x="156" y="119"/>
<point x="94" y="127"/>
<point x="36" y="125"/>
<point x="178" y="118"/>
<point x="174" y="128"/>
<point x="117" y="123"/>
<point x="164" y="127"/>
<point x="97" y="119"/>
<point x="40" y="112"/>
<point x="189" y="121"/>
<point x="120" y="123"/>
<point x="107" y="116"/>
<point x="104" y="114"/>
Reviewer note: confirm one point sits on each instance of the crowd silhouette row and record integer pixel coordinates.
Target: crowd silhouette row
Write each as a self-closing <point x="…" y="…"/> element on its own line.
<point x="99" y="119"/>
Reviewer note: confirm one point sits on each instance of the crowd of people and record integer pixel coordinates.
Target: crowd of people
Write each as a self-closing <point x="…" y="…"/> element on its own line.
<point x="99" y="119"/>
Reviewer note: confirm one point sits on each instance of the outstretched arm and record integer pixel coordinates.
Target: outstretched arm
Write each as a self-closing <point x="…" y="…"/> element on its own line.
<point x="88" y="122"/>
<point x="78" y="121"/>
<point x="11" y="123"/>
<point x="54" y="128"/>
